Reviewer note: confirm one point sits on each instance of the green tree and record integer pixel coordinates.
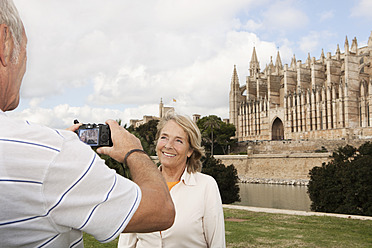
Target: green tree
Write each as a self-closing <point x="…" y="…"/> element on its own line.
<point x="225" y="176"/>
<point x="216" y="134"/>
<point x="224" y="137"/>
<point x="146" y="133"/>
<point x="212" y="123"/>
<point x="344" y="185"/>
<point x="119" y="122"/>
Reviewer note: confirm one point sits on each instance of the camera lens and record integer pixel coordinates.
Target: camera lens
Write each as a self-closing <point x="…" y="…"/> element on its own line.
<point x="104" y="138"/>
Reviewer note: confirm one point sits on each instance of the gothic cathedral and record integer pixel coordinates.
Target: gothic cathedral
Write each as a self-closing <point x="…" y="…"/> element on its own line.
<point x="326" y="98"/>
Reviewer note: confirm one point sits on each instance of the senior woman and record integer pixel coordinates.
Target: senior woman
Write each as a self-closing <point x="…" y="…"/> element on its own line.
<point x="199" y="218"/>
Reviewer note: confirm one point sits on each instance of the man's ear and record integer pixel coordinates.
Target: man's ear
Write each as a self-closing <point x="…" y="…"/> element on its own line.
<point x="5" y="38"/>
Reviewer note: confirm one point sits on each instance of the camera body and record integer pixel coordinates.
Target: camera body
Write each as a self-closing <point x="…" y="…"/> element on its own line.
<point x="95" y="135"/>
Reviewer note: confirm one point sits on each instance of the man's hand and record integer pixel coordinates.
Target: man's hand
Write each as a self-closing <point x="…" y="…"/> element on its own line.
<point x="156" y="210"/>
<point x="122" y="142"/>
<point x="74" y="127"/>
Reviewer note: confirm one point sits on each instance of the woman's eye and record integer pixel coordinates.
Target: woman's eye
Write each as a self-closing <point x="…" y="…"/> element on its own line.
<point x="180" y="141"/>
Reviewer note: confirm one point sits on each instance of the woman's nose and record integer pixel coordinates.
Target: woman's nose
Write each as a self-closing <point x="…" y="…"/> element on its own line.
<point x="168" y="145"/>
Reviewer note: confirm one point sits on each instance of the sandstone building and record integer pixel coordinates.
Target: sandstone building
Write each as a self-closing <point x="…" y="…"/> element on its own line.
<point x="147" y="118"/>
<point x="326" y="98"/>
<point x="162" y="111"/>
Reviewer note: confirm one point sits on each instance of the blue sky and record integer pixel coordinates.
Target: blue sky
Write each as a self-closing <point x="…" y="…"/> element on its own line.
<point x="94" y="60"/>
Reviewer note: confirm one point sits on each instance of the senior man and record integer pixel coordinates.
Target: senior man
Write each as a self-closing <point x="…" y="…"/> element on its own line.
<point x="53" y="186"/>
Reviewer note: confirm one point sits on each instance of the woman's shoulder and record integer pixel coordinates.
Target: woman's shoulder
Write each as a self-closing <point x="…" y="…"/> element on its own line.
<point x="205" y="178"/>
<point x="203" y="175"/>
<point x="208" y="185"/>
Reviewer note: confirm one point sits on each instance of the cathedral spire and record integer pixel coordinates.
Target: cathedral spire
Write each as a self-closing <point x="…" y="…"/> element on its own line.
<point x="293" y="62"/>
<point x="278" y="62"/>
<point x="234" y="97"/>
<point x="346" y="46"/>
<point x="354" y="46"/>
<point x="254" y="56"/>
<point x="322" y="57"/>
<point x="235" y="78"/>
<point x="370" y="40"/>
<point x="271" y="65"/>
<point x="254" y="65"/>
<point x="308" y="60"/>
<point x="338" y="53"/>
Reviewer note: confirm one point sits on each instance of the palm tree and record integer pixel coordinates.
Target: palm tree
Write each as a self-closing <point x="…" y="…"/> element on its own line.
<point x="212" y="123"/>
<point x="119" y="121"/>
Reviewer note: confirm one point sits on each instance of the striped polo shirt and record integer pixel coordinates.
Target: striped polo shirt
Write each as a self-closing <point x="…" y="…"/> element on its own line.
<point x="53" y="187"/>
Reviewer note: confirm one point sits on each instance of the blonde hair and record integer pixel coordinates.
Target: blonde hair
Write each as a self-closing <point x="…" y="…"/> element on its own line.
<point x="193" y="163"/>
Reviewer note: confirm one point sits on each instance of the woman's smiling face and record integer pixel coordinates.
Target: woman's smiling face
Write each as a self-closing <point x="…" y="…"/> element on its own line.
<point x="173" y="146"/>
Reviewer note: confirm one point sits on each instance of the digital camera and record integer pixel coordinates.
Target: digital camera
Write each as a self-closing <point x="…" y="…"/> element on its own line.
<point x="95" y="135"/>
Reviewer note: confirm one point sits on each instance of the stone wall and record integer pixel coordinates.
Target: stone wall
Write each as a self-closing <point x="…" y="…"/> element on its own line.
<point x="275" y="167"/>
<point x="296" y="146"/>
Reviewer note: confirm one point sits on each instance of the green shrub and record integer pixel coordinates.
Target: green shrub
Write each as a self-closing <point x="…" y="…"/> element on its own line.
<point x="344" y="185"/>
<point x="225" y="176"/>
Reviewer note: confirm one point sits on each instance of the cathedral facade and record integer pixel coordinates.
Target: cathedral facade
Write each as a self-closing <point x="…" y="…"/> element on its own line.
<point x="327" y="98"/>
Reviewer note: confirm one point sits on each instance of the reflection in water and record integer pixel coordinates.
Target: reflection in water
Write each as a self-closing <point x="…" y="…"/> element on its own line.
<point x="274" y="196"/>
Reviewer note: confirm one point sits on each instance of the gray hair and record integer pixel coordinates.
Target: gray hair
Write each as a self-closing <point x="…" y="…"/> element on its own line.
<point x="9" y="15"/>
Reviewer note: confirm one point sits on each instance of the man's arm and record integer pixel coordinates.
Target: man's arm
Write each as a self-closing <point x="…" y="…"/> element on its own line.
<point x="156" y="210"/>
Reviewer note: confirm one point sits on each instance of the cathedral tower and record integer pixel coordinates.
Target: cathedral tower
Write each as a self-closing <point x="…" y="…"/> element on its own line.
<point x="254" y="65"/>
<point x="233" y="97"/>
<point x="161" y="108"/>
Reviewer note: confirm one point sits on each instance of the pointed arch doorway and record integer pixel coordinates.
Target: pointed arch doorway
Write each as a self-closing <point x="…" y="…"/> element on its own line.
<point x="277" y="130"/>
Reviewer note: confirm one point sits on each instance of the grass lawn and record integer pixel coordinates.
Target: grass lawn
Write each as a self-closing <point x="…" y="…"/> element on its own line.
<point x="252" y="229"/>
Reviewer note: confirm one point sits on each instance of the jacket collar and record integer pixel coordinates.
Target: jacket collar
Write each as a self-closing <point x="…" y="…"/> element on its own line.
<point x="186" y="178"/>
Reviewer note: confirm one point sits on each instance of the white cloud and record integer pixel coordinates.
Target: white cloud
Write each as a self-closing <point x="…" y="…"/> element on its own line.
<point x="363" y="8"/>
<point x="203" y="83"/>
<point x="310" y="42"/>
<point x="253" y="26"/>
<point x="35" y="102"/>
<point x="201" y="86"/>
<point x="315" y="41"/>
<point x="132" y="53"/>
<point x="62" y="116"/>
<point x="326" y="15"/>
<point x="283" y="15"/>
<point x="79" y="42"/>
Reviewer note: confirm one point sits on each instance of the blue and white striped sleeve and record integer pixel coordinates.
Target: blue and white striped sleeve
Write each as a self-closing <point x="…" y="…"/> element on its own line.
<point x="81" y="192"/>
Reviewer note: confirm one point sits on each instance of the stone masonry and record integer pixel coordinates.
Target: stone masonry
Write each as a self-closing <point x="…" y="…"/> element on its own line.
<point x="327" y="98"/>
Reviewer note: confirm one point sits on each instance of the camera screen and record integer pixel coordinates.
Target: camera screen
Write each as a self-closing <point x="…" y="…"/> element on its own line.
<point x="89" y="136"/>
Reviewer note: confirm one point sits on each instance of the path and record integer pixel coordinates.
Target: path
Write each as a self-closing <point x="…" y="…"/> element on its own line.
<point x="296" y="212"/>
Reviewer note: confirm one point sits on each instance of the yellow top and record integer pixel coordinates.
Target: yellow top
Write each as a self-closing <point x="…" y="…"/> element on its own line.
<point x="171" y="184"/>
